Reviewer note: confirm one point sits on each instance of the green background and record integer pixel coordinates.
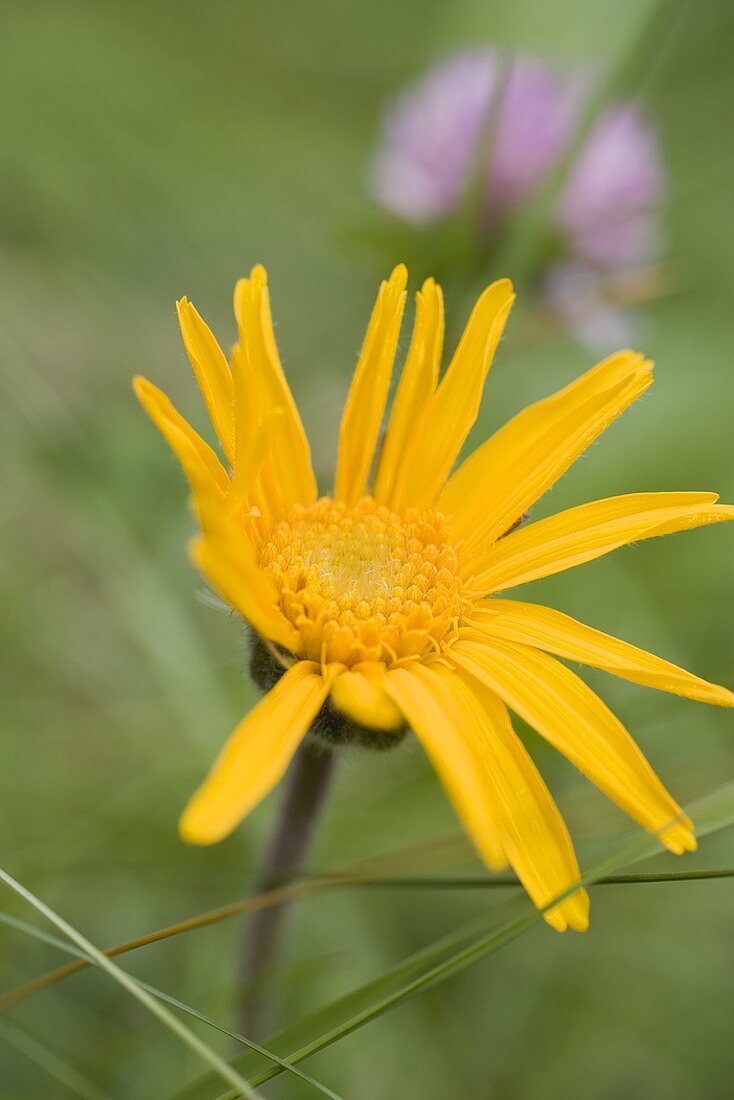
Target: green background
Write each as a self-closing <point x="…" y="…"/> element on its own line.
<point x="151" y="150"/>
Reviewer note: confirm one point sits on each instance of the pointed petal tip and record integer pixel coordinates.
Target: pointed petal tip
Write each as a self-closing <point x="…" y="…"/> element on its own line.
<point x="147" y="392"/>
<point x="496" y="301"/>
<point x="186" y="315"/>
<point x="572" y="912"/>
<point x="188" y="319"/>
<point x="679" y="838"/>
<point x="638" y="361"/>
<point x="255" y="282"/>
<point x="725" y="698"/>
<point x="429" y="293"/>
<point x="399" y="277"/>
<point x="716" y="695"/>
<point x="503" y="286"/>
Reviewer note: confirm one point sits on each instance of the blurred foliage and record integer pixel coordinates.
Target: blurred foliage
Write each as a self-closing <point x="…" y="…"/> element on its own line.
<point x="155" y="149"/>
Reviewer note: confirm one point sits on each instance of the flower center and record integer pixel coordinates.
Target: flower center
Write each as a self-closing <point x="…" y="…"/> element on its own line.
<point x="364" y="583"/>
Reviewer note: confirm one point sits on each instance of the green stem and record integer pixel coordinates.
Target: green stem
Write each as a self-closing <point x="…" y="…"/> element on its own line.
<point x="308" y="783"/>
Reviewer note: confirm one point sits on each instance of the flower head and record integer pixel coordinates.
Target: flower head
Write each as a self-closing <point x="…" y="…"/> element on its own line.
<point x="382" y="601"/>
<point x="433" y="137"/>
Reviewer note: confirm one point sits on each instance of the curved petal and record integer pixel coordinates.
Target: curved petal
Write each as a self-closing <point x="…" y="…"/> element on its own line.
<point x="549" y="630"/>
<point x="212" y="373"/>
<point x="248" y="414"/>
<point x="438" y="720"/>
<point x="513" y="469"/>
<point x="533" y="833"/>
<point x="360" y="694"/>
<point x="556" y="703"/>
<point x="291" y="455"/>
<point x="417" y="383"/>
<point x="225" y="556"/>
<point x="225" y="553"/>
<point x="255" y="491"/>
<point x="207" y="477"/>
<point x="589" y="531"/>
<point x="454" y="405"/>
<point x="256" y="755"/>
<point x="365" y="405"/>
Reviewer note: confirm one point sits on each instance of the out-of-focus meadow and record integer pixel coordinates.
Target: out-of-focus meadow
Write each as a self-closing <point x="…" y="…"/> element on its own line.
<point x="151" y="150"/>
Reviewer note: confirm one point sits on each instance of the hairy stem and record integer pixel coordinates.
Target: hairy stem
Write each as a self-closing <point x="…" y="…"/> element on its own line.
<point x="307" y="785"/>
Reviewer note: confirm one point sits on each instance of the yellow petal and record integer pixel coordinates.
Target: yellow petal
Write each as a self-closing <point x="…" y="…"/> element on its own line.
<point x="438" y="720"/>
<point x="254" y="481"/>
<point x="365" y="405"/>
<point x="256" y="755"/>
<point x="541" y="627"/>
<point x="589" y="531"/>
<point x="417" y="383"/>
<point x="533" y="833"/>
<point x="291" y="455"/>
<point x="553" y="700"/>
<point x="248" y="415"/>
<point x="211" y="371"/>
<point x="226" y="558"/>
<point x="453" y="407"/>
<point x="360" y="694"/>
<point x="207" y="476"/>
<point x="513" y="469"/>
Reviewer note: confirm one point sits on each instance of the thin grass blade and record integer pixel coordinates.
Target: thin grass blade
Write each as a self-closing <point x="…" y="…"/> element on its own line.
<point x="222" y="1068"/>
<point x="444" y="959"/>
<point x="70" y="949"/>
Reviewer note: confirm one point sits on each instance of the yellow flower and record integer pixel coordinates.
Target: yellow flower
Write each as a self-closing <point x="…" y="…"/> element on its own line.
<point x="381" y="601"/>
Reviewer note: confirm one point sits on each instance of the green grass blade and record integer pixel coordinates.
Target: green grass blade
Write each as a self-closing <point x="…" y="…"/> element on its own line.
<point x="277" y="896"/>
<point x="221" y="1067"/>
<point x="483" y="882"/>
<point x="412" y="856"/>
<point x="298" y="890"/>
<point x="443" y="960"/>
<point x="70" y="949"/>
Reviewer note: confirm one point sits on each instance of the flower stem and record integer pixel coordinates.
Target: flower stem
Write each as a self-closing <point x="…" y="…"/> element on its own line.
<point x="307" y="786"/>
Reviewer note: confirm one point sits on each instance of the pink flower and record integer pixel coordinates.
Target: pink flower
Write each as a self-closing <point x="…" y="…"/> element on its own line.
<point x="526" y="112"/>
<point x="609" y="204"/>
<point x="430" y="136"/>
<point x="537" y="113"/>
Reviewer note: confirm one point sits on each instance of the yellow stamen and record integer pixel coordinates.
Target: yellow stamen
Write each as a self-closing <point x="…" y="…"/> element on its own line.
<point x="363" y="583"/>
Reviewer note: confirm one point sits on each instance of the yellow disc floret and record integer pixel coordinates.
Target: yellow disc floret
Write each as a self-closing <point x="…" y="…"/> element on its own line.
<point x="363" y="583"/>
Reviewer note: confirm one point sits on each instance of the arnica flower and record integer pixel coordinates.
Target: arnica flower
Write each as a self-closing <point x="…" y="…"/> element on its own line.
<point x="384" y="601"/>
